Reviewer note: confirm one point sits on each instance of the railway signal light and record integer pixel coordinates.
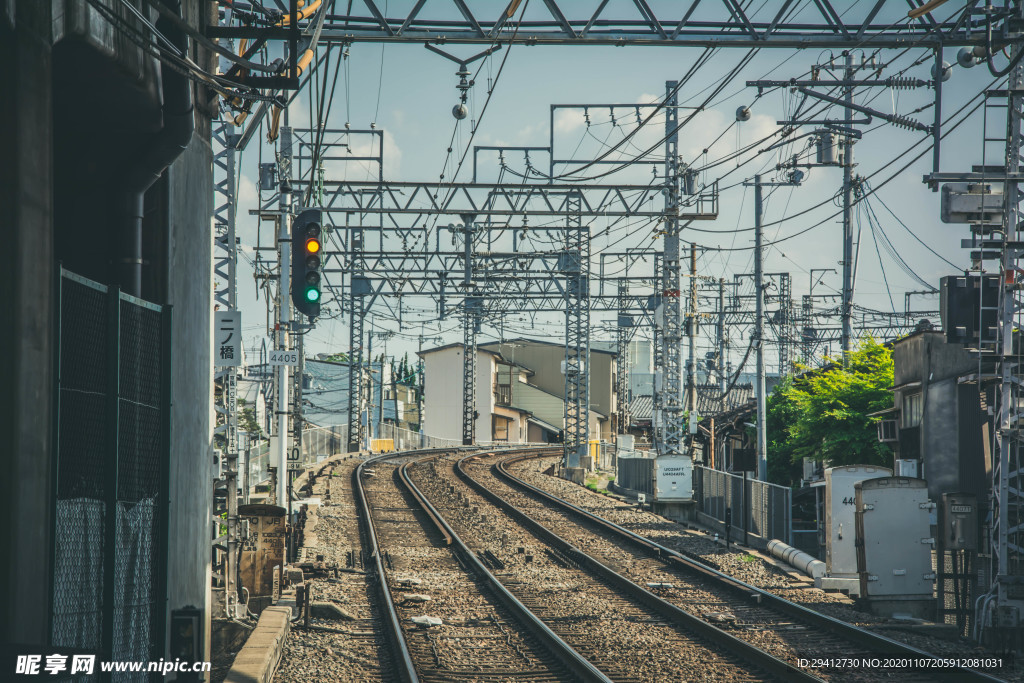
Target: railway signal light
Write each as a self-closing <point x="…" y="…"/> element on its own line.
<point x="306" y="262"/>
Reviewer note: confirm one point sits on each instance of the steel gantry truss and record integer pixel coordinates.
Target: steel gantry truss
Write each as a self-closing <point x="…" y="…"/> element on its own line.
<point x="226" y="379"/>
<point x="700" y="23"/>
<point x="668" y="401"/>
<point x="576" y="266"/>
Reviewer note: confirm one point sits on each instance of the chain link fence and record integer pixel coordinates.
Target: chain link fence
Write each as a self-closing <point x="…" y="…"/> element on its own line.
<point x="110" y="524"/>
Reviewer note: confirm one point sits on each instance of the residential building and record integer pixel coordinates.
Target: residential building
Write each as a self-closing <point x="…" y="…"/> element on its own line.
<point x="545" y="359"/>
<point x="515" y="401"/>
<point x="442" y="397"/>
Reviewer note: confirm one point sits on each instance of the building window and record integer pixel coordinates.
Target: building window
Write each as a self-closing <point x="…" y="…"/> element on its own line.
<point x="910" y="415"/>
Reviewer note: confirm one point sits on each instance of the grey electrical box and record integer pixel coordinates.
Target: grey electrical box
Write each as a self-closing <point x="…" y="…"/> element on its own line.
<point x="972" y="203"/>
<point x="268" y="176"/>
<point x="894" y="545"/>
<point x="958" y="522"/>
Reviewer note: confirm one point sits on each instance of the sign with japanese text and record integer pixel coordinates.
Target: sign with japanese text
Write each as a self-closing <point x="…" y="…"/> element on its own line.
<point x="227" y="339"/>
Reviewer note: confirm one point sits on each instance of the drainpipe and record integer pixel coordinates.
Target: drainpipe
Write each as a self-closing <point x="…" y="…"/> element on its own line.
<point x="153" y="159"/>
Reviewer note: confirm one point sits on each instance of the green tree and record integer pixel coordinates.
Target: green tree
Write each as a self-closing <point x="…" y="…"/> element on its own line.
<point x="831" y="409"/>
<point x="782" y="411"/>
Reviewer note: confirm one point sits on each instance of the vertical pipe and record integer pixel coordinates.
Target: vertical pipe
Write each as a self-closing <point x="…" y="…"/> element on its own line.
<point x="762" y="458"/>
<point x="937" y="122"/>
<point x="163" y="513"/>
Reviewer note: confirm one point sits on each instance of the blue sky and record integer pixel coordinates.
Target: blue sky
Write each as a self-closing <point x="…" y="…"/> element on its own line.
<point x="409" y="92"/>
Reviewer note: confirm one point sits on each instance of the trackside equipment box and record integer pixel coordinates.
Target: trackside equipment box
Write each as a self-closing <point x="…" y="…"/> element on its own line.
<point x="673" y="478"/>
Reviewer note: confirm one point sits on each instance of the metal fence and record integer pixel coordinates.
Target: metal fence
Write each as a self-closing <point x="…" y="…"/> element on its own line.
<point x="323" y="441"/>
<point x="406" y="439"/>
<point x="112" y="455"/>
<point x="635" y="472"/>
<point x="756" y="510"/>
<point x="320" y="442"/>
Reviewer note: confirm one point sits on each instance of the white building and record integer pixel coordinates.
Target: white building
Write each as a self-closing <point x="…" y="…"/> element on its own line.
<point x="442" y="398"/>
<point x="510" y="406"/>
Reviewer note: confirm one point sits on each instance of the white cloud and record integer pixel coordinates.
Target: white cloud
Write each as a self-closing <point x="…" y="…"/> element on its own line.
<point x="568" y="120"/>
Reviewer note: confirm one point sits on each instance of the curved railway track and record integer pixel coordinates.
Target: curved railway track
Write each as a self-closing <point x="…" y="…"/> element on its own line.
<point x="623" y="629"/>
<point x="424" y="569"/>
<point x="783" y="628"/>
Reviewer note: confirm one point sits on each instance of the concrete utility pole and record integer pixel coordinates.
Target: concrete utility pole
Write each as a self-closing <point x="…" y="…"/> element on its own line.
<point x="722" y="379"/>
<point x="847" y="305"/>
<point x="284" y="163"/>
<point x="762" y="436"/>
<point x="759" y="285"/>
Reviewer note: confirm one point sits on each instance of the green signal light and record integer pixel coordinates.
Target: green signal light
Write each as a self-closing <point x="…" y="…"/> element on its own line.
<point x="312" y="294"/>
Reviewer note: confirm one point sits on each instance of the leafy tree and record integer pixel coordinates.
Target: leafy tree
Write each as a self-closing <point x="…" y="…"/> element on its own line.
<point x="780" y="414"/>
<point x="831" y="410"/>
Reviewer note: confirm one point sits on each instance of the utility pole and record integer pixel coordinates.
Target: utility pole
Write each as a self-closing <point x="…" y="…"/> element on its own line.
<point x="691" y="361"/>
<point x="847" y="305"/>
<point x="576" y="266"/>
<point x="623" y="333"/>
<point x="283" y="308"/>
<point x="297" y="424"/>
<point x="722" y="379"/>
<point x="759" y="285"/>
<point x="371" y="434"/>
<point x="225" y="269"/>
<point x="762" y="437"/>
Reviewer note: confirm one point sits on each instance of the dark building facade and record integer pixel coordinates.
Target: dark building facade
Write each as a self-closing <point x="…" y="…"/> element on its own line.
<point x="940" y="416"/>
<point x="105" y="372"/>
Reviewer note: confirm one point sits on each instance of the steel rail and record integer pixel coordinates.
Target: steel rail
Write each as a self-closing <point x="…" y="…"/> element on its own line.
<point x="570" y="658"/>
<point x="713" y="576"/>
<point x="744" y="650"/>
<point x="404" y="665"/>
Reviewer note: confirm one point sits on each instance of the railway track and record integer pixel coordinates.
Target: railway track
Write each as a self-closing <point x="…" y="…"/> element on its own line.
<point x="780" y="627"/>
<point x="424" y="570"/>
<point x="345" y="652"/>
<point x="623" y="629"/>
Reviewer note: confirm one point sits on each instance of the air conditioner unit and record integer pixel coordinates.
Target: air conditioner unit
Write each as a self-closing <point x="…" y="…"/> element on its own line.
<point x="887" y="431"/>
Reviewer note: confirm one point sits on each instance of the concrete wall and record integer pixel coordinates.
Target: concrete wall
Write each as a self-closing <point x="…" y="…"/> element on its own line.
<point x="27" y="309"/>
<point x="189" y="292"/>
<point x="34" y="36"/>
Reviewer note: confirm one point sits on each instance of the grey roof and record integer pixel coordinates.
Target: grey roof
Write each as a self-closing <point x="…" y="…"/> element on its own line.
<point x="709" y="400"/>
<point x="540" y="342"/>
<point x="641" y="407"/>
